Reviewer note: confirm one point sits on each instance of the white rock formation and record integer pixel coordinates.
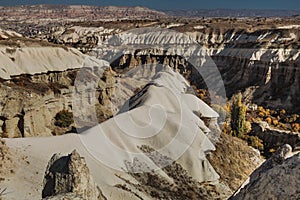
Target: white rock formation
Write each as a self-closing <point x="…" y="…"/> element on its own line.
<point x="277" y="178"/>
<point x="35" y="60"/>
<point x="160" y="116"/>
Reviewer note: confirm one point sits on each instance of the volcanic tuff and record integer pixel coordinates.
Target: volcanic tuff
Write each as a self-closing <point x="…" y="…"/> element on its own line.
<point x="37" y="83"/>
<point x="268" y="71"/>
<point x="180" y="179"/>
<point x="262" y="62"/>
<point x="258" y="56"/>
<point x="277" y="178"/>
<point x="69" y="177"/>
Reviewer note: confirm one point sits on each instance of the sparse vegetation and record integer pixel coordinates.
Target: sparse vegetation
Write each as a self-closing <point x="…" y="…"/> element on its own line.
<point x="183" y="187"/>
<point x="64" y="119"/>
<point x="279" y="118"/>
<point x="239" y="119"/>
<point x="255" y="142"/>
<point x="239" y="162"/>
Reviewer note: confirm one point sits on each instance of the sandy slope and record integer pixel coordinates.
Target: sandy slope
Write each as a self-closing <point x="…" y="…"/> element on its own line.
<point x="162" y="113"/>
<point x="26" y="183"/>
<point x="34" y="60"/>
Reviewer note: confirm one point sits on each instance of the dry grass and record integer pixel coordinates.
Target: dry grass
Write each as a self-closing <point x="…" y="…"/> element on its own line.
<point x="183" y="186"/>
<point x="234" y="160"/>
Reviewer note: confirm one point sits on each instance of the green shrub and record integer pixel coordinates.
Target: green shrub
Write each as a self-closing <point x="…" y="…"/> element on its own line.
<point x="64" y="119"/>
<point x="255" y="142"/>
<point x="238" y="121"/>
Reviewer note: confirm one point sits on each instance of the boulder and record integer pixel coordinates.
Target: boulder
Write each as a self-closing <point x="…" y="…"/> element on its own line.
<point x="277" y="178"/>
<point x="68" y="177"/>
<point x="275" y="138"/>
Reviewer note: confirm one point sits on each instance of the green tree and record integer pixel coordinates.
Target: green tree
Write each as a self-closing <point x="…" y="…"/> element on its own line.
<point x="238" y="122"/>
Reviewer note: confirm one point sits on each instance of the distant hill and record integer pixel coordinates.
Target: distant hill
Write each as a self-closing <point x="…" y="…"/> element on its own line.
<point x="233" y="13"/>
<point x="78" y="12"/>
<point x="111" y="13"/>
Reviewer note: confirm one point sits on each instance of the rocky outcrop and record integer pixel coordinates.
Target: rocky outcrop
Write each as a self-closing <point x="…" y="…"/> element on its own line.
<point x="277" y="178"/>
<point x="258" y="54"/>
<point x="68" y="177"/>
<point x="262" y="61"/>
<point x="154" y="171"/>
<point x="30" y="103"/>
<point x="21" y="56"/>
<point x="265" y="59"/>
<point x="7" y="164"/>
<point x="6" y="34"/>
<point x="160" y="173"/>
<point x="274" y="138"/>
<point x="37" y="82"/>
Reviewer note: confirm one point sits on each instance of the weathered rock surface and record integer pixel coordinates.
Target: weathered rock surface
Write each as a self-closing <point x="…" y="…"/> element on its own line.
<point x="12" y="129"/>
<point x="274" y="138"/>
<point x="28" y="105"/>
<point x="6" y="34"/>
<point x="7" y="164"/>
<point x="68" y="177"/>
<point x="21" y="56"/>
<point x="37" y="82"/>
<point x="277" y="178"/>
<point x="189" y="177"/>
<point x="264" y="60"/>
<point x="271" y="61"/>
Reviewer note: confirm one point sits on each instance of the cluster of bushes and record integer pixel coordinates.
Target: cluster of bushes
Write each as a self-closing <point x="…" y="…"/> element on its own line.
<point x="64" y="119"/>
<point x="278" y="118"/>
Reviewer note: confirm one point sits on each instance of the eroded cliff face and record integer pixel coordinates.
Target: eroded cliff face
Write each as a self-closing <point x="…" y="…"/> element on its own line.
<point x="263" y="62"/>
<point x="257" y="55"/>
<point x="30" y="103"/>
<point x="266" y="61"/>
<point x="260" y="56"/>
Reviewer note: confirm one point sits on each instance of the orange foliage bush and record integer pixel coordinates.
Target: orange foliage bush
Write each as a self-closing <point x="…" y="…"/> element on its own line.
<point x="296" y="127"/>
